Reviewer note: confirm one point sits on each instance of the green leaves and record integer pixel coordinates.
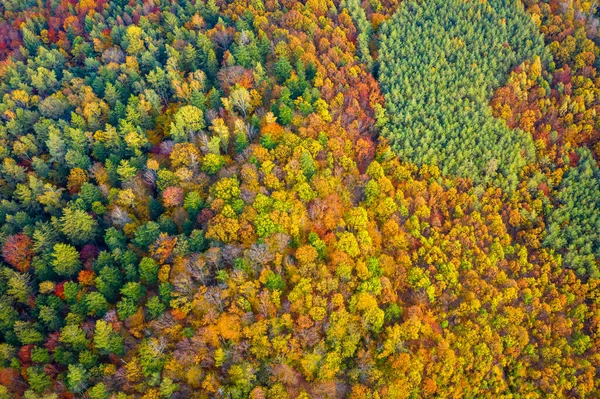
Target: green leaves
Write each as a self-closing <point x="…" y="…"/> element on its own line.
<point x="78" y="226"/>
<point x="283" y="69"/>
<point x="439" y="62"/>
<point x="65" y="260"/>
<point x="149" y="271"/>
<point x="27" y="333"/>
<point x="73" y="336"/>
<point x="573" y="227"/>
<point x="275" y="282"/>
<point x="106" y="340"/>
<point x="77" y="378"/>
<point x="188" y="120"/>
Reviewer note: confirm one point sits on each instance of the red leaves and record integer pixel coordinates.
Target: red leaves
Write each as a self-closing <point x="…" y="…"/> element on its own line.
<point x="562" y="76"/>
<point x="25" y="354"/>
<point x="88" y="254"/>
<point x="204" y="216"/>
<point x="11" y="379"/>
<point x="52" y="341"/>
<point x="573" y="158"/>
<point x="17" y="252"/>
<point x="60" y="290"/>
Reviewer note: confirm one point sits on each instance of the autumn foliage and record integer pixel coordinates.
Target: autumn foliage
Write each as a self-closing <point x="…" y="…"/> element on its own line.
<point x="200" y="200"/>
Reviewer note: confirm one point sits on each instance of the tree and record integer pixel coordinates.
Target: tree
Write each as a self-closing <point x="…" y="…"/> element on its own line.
<point x="240" y="99"/>
<point x="65" y="260"/>
<point x="155" y="307"/>
<point x="27" y="333"/>
<point x="18" y="285"/>
<point x="133" y="290"/>
<point x="74" y="337"/>
<point x="17" y="251"/>
<point x="78" y="226"/>
<point x="96" y="304"/>
<point x="283" y="69"/>
<point x="77" y="378"/>
<point x="212" y="163"/>
<point x="149" y="271"/>
<point x="106" y="340"/>
<point x="98" y="391"/>
<point x="146" y="234"/>
<point x="188" y="120"/>
<point x="173" y="196"/>
<point x="38" y="380"/>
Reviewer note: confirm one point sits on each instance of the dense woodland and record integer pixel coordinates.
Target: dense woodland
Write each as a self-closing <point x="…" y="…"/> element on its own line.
<point x="285" y="199"/>
<point x="439" y="62"/>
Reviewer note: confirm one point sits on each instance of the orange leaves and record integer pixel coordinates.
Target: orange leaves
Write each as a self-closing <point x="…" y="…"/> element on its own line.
<point x="365" y="151"/>
<point x="394" y="235"/>
<point x="527" y="122"/>
<point x="178" y="314"/>
<point x="325" y="214"/>
<point x="86" y="5"/>
<point x="86" y="277"/>
<point x="306" y="255"/>
<point x="162" y="249"/>
<point x="17" y="251"/>
<point x="228" y="326"/>
<point x="173" y="196"/>
<point x="72" y="21"/>
<point x="12" y="380"/>
<point x="274" y="130"/>
<point x="136" y="323"/>
<point x="299" y="250"/>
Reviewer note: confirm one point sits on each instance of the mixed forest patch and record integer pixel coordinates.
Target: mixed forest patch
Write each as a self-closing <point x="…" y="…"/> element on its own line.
<point x="558" y="103"/>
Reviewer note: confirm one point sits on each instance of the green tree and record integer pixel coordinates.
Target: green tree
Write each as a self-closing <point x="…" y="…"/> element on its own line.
<point x="149" y="271"/>
<point x="65" y="260"/>
<point x="98" y="391"/>
<point x="283" y="69"/>
<point x="106" y="340"/>
<point x="155" y="307"/>
<point x="78" y="226"/>
<point x="77" y="378"/>
<point x="188" y="120"/>
<point x="27" y="333"/>
<point x="134" y="291"/>
<point x="146" y="234"/>
<point x="96" y="304"/>
<point x="38" y="380"/>
<point x="212" y="163"/>
<point x="74" y="337"/>
<point x="109" y="281"/>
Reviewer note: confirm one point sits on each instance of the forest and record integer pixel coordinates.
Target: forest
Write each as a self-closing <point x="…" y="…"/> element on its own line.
<point x="279" y="199"/>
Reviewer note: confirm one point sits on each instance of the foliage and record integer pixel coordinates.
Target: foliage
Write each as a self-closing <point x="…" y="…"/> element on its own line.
<point x="439" y="62"/>
<point x="196" y="201"/>
<point x="573" y="227"/>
